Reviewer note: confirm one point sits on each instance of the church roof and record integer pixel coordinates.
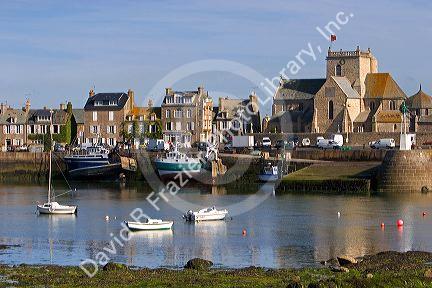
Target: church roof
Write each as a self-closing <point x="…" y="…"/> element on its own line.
<point x="345" y="85"/>
<point x="362" y="116"/>
<point x="388" y="116"/>
<point x="419" y="100"/>
<point x="382" y="85"/>
<point x="299" y="88"/>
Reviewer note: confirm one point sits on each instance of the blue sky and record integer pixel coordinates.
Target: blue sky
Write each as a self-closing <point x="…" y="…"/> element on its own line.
<point x="55" y="51"/>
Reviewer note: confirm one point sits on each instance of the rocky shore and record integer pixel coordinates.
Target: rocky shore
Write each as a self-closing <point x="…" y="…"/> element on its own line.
<point x="386" y="269"/>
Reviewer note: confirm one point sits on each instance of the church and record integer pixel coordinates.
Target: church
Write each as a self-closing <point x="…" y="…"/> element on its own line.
<point x="354" y="97"/>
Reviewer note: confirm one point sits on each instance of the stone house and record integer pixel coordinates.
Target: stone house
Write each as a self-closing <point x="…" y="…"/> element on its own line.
<point x="144" y="123"/>
<point x="420" y="106"/>
<point x="104" y="114"/>
<point x="186" y="116"/>
<point x="237" y="117"/>
<point x="13" y="122"/>
<point x="78" y="115"/>
<point x="64" y="126"/>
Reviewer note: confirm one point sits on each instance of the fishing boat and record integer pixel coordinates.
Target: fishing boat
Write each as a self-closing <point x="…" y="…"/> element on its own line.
<point x="206" y="214"/>
<point x="269" y="173"/>
<point x="150" y="224"/>
<point x="175" y="162"/>
<point x="52" y="207"/>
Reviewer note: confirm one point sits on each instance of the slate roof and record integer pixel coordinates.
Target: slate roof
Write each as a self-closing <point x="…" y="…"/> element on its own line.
<point x="120" y="97"/>
<point x="78" y="115"/>
<point x="299" y="88"/>
<point x="232" y="107"/>
<point x="382" y="85"/>
<point x="345" y="85"/>
<point x="420" y="100"/>
<point x="59" y="116"/>
<point x="20" y="115"/>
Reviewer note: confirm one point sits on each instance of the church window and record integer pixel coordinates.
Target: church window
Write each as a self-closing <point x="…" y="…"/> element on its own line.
<point x="426" y="112"/>
<point x="372" y="106"/>
<point x="338" y="70"/>
<point x="392" y="105"/>
<point x="330" y="110"/>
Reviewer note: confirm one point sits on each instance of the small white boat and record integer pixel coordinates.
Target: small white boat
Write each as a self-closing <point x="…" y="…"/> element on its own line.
<point x="56" y="208"/>
<point x="206" y="214"/>
<point x="150" y="224"/>
<point x="269" y="173"/>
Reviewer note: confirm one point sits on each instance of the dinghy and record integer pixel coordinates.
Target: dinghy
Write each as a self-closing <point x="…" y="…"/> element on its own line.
<point x="150" y="224"/>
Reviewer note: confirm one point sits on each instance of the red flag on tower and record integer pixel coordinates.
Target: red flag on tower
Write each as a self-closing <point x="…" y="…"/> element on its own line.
<point x="332" y="37"/>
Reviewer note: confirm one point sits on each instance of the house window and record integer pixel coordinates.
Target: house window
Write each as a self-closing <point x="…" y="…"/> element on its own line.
<point x="338" y="70"/>
<point x="56" y="129"/>
<point x="110" y="115"/>
<point x="178" y="126"/>
<point x="111" y="129"/>
<point x="98" y="103"/>
<point x="168" y="126"/>
<point x="94" y="129"/>
<point x="112" y="103"/>
<point x="187" y="100"/>
<point x="178" y="113"/>
<point x="152" y="117"/>
<point x="394" y="127"/>
<point x="94" y="115"/>
<point x="330" y="110"/>
<point x="418" y="112"/>
<point x="426" y="112"/>
<point x="168" y="113"/>
<point x="188" y="113"/>
<point x="392" y="105"/>
<point x="111" y="141"/>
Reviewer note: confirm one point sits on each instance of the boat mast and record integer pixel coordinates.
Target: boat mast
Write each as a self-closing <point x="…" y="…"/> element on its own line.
<point x="50" y="156"/>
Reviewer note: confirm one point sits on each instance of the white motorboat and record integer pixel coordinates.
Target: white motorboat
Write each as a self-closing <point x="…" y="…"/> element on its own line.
<point x="150" y="224"/>
<point x="206" y="214"/>
<point x="269" y="173"/>
<point x="52" y="207"/>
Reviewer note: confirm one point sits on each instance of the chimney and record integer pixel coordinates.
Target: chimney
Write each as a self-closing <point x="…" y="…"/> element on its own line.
<point x="168" y="91"/>
<point x="91" y="93"/>
<point x="131" y="96"/>
<point x="69" y="108"/>
<point x="62" y="106"/>
<point x="220" y="104"/>
<point x="200" y="90"/>
<point x="254" y="102"/>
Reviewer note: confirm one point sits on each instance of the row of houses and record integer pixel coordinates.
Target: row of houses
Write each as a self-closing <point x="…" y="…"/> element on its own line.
<point x="107" y="118"/>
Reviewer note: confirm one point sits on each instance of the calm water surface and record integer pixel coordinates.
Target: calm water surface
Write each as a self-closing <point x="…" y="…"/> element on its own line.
<point x="283" y="231"/>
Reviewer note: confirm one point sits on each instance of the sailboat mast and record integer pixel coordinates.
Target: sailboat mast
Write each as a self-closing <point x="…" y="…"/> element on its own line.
<point x="50" y="156"/>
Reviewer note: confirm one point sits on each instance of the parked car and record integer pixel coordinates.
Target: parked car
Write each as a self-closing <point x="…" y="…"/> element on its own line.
<point x="388" y="143"/>
<point x="22" y="148"/>
<point x="284" y="144"/>
<point x="202" y="146"/>
<point x="306" y="142"/>
<point x="59" y="148"/>
<point x="338" y="138"/>
<point x="328" y="144"/>
<point x="266" y="142"/>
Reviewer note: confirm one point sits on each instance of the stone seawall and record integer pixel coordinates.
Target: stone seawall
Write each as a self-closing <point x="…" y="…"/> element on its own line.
<point x="19" y="166"/>
<point x="338" y="155"/>
<point x="405" y="171"/>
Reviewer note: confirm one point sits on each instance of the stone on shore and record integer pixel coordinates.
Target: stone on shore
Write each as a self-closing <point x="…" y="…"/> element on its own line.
<point x="339" y="269"/>
<point x="428" y="273"/>
<point x="198" y="264"/>
<point x="346" y="260"/>
<point x="111" y="266"/>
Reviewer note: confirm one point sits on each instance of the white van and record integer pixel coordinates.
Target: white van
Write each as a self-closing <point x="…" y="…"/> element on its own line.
<point x="328" y="144"/>
<point x="388" y="143"/>
<point x="338" y="138"/>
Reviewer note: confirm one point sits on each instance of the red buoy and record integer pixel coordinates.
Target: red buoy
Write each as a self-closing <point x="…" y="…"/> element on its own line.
<point x="424" y="214"/>
<point x="382" y="225"/>
<point x="244" y="232"/>
<point x="399" y="223"/>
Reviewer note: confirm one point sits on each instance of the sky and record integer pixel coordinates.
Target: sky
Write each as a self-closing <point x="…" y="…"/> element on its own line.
<point x="55" y="51"/>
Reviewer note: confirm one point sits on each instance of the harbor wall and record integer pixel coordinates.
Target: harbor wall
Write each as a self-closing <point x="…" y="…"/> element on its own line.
<point x="406" y="172"/>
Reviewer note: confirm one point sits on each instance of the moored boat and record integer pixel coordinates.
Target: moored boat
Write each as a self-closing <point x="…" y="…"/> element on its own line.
<point x="206" y="214"/>
<point x="175" y="162"/>
<point x="269" y="173"/>
<point x="150" y="224"/>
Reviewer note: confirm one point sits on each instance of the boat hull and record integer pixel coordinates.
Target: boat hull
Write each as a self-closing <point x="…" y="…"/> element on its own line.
<point x="170" y="169"/>
<point x="137" y="226"/>
<point x="107" y="170"/>
<point x="268" y="178"/>
<point x="62" y="210"/>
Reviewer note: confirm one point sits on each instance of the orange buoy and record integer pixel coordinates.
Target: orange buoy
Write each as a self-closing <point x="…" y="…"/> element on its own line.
<point x="399" y="223"/>
<point x="244" y="232"/>
<point x="424" y="214"/>
<point x="382" y="225"/>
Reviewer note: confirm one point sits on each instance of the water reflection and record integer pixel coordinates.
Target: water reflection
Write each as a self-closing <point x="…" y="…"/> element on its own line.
<point x="283" y="231"/>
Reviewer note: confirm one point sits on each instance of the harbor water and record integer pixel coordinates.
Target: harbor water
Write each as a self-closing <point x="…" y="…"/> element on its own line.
<point x="295" y="230"/>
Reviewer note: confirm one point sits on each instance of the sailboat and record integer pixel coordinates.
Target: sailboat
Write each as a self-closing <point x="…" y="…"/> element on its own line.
<point x="54" y="207"/>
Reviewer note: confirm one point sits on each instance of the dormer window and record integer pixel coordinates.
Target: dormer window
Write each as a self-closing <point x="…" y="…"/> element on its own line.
<point x="112" y="103"/>
<point x="11" y="120"/>
<point x="98" y="103"/>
